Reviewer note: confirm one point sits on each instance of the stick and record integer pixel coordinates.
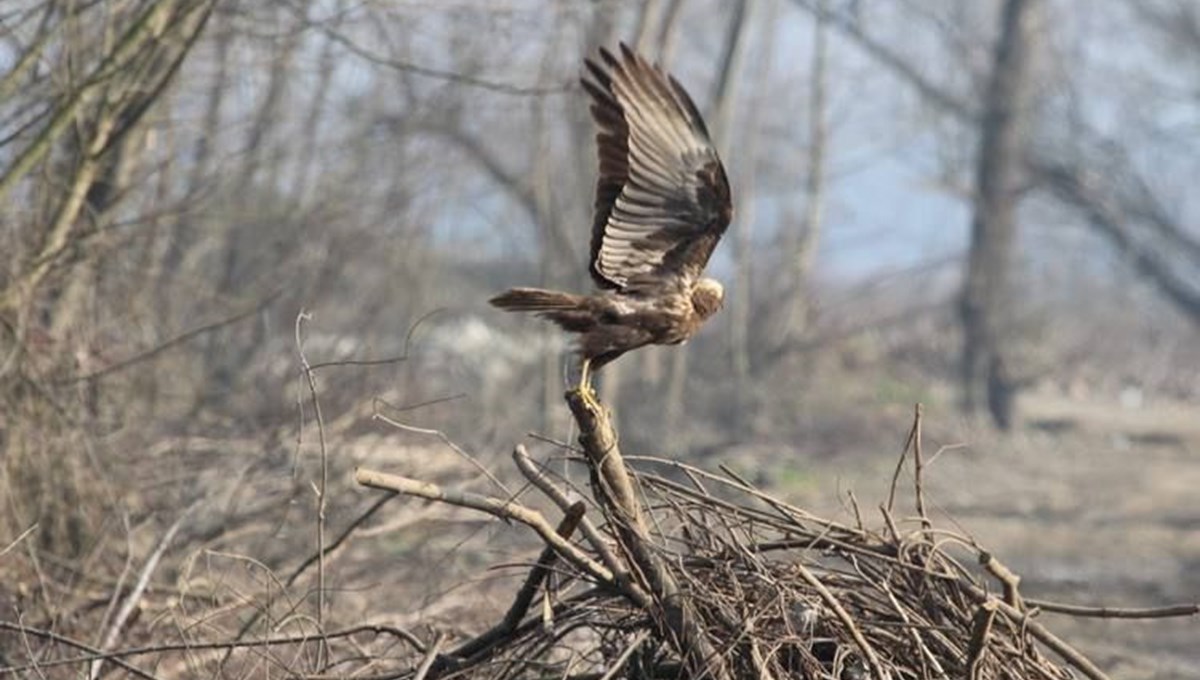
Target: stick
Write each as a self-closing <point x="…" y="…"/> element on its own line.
<point x="618" y="664"/>
<point x="982" y="626"/>
<point x="541" y="568"/>
<point x="674" y="613"/>
<point x="116" y="656"/>
<point x="877" y="669"/>
<point x="1039" y="632"/>
<point x="32" y="528"/>
<point x="912" y="436"/>
<point x="1116" y="612"/>
<point x="431" y="654"/>
<point x="543" y="482"/>
<point x="1007" y="577"/>
<point x="135" y="595"/>
<point x="168" y="344"/>
<point x="918" y="468"/>
<point x="312" y="559"/>
<point x="323" y="485"/>
<point x="492" y="506"/>
<point x="441" y="436"/>
<point x="93" y="653"/>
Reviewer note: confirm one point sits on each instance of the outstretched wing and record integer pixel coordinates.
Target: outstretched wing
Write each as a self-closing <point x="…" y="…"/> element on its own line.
<point x="662" y="198"/>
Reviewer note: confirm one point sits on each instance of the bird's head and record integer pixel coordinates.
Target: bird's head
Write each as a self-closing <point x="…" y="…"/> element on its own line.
<point x="707" y="297"/>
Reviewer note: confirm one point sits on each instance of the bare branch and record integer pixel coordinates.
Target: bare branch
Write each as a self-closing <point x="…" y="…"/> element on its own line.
<point x="118" y="656"/>
<point x="614" y="489"/>
<point x="328" y="28"/>
<point x="1172" y="611"/>
<point x="492" y="506"/>
<point x="539" y="479"/>
<point x="172" y="343"/>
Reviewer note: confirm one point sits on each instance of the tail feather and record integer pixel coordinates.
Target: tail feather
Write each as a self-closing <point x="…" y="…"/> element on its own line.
<point x="536" y="300"/>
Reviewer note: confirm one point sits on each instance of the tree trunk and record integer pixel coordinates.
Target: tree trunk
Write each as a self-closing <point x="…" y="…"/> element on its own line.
<point x="656" y="24"/>
<point x="668" y="31"/>
<point x="801" y="245"/>
<point x="721" y="114"/>
<point x="261" y="158"/>
<point x="986" y="293"/>
<point x="306" y="161"/>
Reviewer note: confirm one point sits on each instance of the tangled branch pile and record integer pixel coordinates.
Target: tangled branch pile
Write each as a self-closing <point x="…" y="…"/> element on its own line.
<point x="693" y="574"/>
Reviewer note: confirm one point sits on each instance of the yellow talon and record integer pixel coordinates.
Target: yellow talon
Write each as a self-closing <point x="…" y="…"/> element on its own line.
<point x="585" y="383"/>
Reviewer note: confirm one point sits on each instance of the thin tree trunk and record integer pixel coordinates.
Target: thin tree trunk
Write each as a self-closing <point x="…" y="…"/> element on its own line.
<point x="668" y="32"/>
<point x="647" y="23"/>
<point x="802" y="244"/>
<point x="740" y="302"/>
<point x="309" y="144"/>
<point x="986" y="295"/>
<point x="722" y="110"/>
<point x="223" y="360"/>
<point x="556" y="247"/>
<point x="656" y="28"/>
<point x="109" y="123"/>
<point x="1070" y="180"/>
<point x="181" y="239"/>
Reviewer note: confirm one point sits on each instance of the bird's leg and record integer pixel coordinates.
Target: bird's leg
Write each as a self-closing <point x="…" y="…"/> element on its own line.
<point x="585" y="381"/>
<point x="584" y="378"/>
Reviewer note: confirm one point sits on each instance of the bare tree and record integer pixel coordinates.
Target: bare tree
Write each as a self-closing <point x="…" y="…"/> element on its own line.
<point x="1151" y="238"/>
<point x="125" y="101"/>
<point x="800" y="244"/>
<point x="75" y="138"/>
<point x="985" y="375"/>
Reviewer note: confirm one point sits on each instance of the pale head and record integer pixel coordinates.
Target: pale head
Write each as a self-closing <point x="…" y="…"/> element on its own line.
<point x="707" y="297"/>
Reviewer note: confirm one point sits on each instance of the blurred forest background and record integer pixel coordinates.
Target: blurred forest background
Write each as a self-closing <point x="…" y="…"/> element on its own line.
<point x="986" y="207"/>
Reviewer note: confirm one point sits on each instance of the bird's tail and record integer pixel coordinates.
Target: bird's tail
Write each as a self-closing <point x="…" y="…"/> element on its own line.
<point x="536" y="300"/>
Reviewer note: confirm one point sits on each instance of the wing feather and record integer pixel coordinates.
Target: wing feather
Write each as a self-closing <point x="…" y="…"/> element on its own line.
<point x="662" y="197"/>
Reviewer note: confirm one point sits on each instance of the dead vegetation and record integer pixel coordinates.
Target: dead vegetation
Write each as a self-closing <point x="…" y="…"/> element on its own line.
<point x="696" y="574"/>
<point x="660" y="569"/>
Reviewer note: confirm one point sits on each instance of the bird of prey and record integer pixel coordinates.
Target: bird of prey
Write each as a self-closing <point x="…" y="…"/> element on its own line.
<point x="662" y="204"/>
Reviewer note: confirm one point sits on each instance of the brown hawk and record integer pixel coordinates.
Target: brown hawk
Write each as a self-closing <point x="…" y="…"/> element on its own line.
<point x="662" y="204"/>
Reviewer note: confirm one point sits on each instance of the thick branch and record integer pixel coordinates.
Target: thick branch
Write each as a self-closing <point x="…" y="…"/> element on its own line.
<point x="599" y="441"/>
<point x="680" y="624"/>
<point x="1075" y="188"/>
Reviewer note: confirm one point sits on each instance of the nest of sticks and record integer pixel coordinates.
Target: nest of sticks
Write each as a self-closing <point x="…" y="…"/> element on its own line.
<point x="691" y="574"/>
